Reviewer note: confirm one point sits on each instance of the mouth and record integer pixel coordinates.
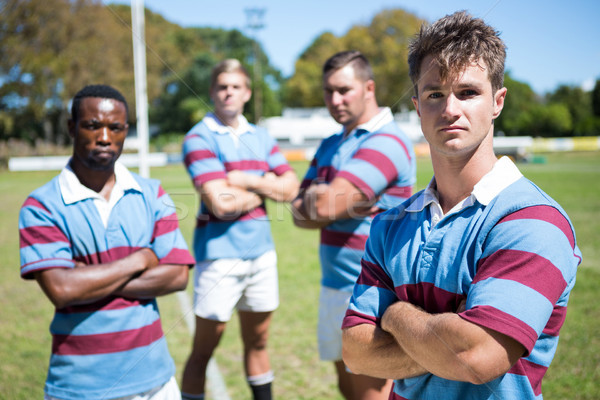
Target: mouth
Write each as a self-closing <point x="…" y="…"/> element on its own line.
<point x="452" y="129"/>
<point x="103" y="154"/>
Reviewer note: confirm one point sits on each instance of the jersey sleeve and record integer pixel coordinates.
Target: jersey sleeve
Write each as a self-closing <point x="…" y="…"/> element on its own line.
<point x="525" y="275"/>
<point x="374" y="289"/>
<point x="379" y="161"/>
<point x="167" y="241"/>
<point x="42" y="243"/>
<point x="201" y="160"/>
<point x="276" y="160"/>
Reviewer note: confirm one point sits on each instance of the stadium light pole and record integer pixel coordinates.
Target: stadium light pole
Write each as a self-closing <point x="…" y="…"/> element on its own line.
<point x="255" y="23"/>
<point x="141" y="92"/>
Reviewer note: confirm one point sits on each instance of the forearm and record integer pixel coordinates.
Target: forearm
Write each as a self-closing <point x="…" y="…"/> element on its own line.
<point x="158" y="281"/>
<point x="230" y="202"/>
<point x="86" y="284"/>
<point x="368" y="350"/>
<point x="302" y="218"/>
<point x="448" y="346"/>
<point x="282" y="188"/>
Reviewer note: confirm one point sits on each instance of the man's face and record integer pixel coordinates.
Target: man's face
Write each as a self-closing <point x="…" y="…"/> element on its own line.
<point x="457" y="115"/>
<point x="230" y="93"/>
<point x="99" y="132"/>
<point x="346" y="96"/>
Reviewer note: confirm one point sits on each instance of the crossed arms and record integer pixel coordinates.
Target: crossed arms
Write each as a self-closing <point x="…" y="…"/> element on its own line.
<point x="138" y="275"/>
<point x="320" y="204"/>
<point x="411" y="342"/>
<point x="242" y="192"/>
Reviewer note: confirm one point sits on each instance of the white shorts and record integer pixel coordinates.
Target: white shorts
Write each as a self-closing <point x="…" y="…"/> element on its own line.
<point x="168" y="391"/>
<point x="333" y="304"/>
<point x="222" y="285"/>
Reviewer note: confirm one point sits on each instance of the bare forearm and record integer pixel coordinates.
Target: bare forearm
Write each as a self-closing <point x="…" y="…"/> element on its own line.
<point x="302" y="219"/>
<point x="230" y="202"/>
<point x="158" y="281"/>
<point x="86" y="284"/>
<point x="368" y="350"/>
<point x="449" y="346"/>
<point x="282" y="188"/>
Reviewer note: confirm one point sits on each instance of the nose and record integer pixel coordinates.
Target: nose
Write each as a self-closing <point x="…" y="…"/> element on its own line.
<point x="104" y="135"/>
<point x="336" y="98"/>
<point x="451" y="106"/>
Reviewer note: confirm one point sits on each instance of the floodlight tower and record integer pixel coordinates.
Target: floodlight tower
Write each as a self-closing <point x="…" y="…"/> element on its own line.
<point x="255" y="23"/>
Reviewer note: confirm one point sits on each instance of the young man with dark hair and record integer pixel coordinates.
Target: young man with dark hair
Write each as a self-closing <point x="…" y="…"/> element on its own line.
<point x="464" y="287"/>
<point x="367" y="168"/>
<point x="102" y="243"/>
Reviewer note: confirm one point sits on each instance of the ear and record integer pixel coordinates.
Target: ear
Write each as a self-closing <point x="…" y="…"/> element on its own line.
<point x="499" y="97"/>
<point x="247" y="95"/>
<point x="415" y="101"/>
<point x="72" y="128"/>
<point x="370" y="87"/>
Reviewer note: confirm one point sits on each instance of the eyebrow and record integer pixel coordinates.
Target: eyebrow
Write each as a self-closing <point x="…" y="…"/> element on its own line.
<point x="462" y="85"/>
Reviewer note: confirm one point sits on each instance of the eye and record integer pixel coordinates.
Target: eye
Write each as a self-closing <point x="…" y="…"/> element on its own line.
<point x="435" y="95"/>
<point x="117" y="127"/>
<point x="90" y="125"/>
<point x="469" y="93"/>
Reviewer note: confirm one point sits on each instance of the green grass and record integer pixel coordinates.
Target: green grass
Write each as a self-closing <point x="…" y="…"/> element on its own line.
<point x="571" y="178"/>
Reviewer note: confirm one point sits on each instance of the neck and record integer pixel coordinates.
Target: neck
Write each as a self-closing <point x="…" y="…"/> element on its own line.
<point x="100" y="181"/>
<point x="370" y="112"/>
<point x="456" y="176"/>
<point x="229" y="120"/>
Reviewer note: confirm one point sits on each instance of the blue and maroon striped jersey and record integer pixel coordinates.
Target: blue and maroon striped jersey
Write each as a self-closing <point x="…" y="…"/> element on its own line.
<point x="115" y="346"/>
<point x="513" y="259"/>
<point x="381" y="164"/>
<point x="209" y="154"/>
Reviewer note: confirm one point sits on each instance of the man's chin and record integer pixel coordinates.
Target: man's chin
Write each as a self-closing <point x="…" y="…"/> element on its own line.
<point x="103" y="164"/>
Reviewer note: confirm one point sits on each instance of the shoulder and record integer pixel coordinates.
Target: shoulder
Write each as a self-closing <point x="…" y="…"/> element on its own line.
<point x="330" y="141"/>
<point x="394" y="136"/>
<point x="523" y="194"/>
<point x="198" y="130"/>
<point x="151" y="188"/>
<point x="44" y="197"/>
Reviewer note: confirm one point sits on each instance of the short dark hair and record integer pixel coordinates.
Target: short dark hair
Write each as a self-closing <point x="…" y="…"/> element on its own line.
<point x="454" y="42"/>
<point x="360" y="64"/>
<point x="100" y="91"/>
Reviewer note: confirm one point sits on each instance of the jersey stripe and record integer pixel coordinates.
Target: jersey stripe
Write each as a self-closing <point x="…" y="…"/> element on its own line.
<point x="547" y="214"/>
<point x="343" y="239"/>
<point x="197" y="155"/>
<point x="509" y="264"/>
<point x="429" y="297"/>
<point x="106" y="342"/>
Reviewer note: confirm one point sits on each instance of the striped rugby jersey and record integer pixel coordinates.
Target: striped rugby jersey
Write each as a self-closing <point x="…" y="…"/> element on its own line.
<point x="115" y="346"/>
<point x="379" y="160"/>
<point x="511" y="252"/>
<point x="211" y="150"/>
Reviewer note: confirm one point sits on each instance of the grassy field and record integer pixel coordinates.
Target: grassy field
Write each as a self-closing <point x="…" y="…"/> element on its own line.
<point x="572" y="179"/>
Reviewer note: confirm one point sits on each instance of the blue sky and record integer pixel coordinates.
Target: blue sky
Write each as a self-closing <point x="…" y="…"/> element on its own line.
<point x="549" y="42"/>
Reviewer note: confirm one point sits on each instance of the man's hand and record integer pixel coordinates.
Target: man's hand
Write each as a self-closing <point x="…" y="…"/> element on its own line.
<point x="242" y="179"/>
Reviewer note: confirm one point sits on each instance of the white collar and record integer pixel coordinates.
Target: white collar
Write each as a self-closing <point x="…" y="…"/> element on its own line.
<point x="72" y="190"/>
<point x="384" y="116"/>
<point x="214" y="124"/>
<point x="503" y="174"/>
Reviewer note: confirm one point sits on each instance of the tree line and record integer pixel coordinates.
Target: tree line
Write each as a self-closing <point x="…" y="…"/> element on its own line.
<point x="51" y="48"/>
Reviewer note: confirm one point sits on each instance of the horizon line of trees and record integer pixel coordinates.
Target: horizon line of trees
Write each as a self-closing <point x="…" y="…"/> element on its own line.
<point x="49" y="49"/>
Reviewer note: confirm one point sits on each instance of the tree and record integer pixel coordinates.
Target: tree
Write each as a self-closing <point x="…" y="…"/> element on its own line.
<point x="49" y="49"/>
<point x="579" y="104"/>
<point x="520" y="99"/>
<point x="304" y="88"/>
<point x="596" y="99"/>
<point x="384" y="42"/>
